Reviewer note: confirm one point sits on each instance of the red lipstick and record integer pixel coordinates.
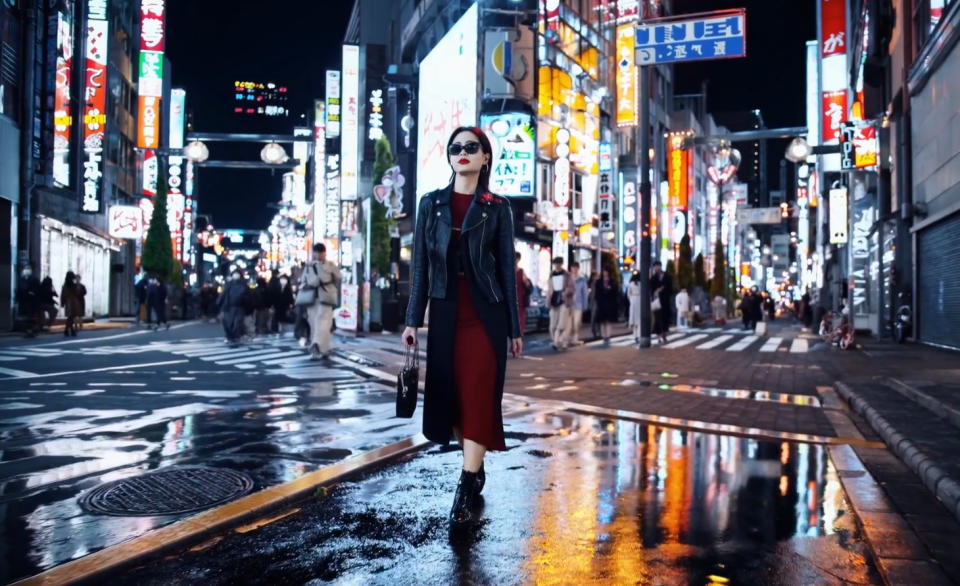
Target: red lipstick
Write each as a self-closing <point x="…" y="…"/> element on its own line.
<point x="464" y="161"/>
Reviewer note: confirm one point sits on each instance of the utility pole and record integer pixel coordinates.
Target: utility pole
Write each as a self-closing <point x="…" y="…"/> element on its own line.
<point x="643" y="146"/>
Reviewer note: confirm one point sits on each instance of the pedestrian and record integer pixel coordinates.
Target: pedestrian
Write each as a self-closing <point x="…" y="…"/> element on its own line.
<point x="683" y="308"/>
<point x="661" y="288"/>
<point x="28" y="290"/>
<point x="608" y="304"/>
<point x="581" y="299"/>
<point x="634" y="297"/>
<point x="770" y="308"/>
<point x="323" y="277"/>
<point x="806" y="311"/>
<point x="560" y="297"/>
<point x="464" y="263"/>
<point x="264" y="303"/>
<point x="524" y="288"/>
<point x="275" y="296"/>
<point x="230" y="304"/>
<point x="592" y="301"/>
<point x="157" y="303"/>
<point x="719" y="308"/>
<point x="82" y="295"/>
<point x="72" y="303"/>
<point x="46" y="304"/>
<point x="143" y="313"/>
<point x="746" y="308"/>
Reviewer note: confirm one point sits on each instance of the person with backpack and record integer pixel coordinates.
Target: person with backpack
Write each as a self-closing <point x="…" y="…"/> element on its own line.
<point x="321" y="280"/>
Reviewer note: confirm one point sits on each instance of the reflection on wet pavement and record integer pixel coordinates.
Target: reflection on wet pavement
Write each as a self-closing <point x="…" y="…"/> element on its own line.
<point x="576" y="499"/>
<point x="54" y="448"/>
<point x="786" y="398"/>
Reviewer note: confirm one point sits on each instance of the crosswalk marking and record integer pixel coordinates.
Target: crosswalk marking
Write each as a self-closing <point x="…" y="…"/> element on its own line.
<point x="685" y="341"/>
<point x="799" y="346"/>
<point x="715" y="342"/>
<point x="771" y="345"/>
<point x="11" y="358"/>
<point x="743" y="344"/>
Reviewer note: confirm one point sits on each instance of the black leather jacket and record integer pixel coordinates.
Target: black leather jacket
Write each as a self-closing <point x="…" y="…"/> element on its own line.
<point x="488" y="236"/>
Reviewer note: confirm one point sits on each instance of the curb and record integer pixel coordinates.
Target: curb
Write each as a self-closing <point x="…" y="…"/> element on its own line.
<point x="951" y="414"/>
<point x="945" y="488"/>
<point x="97" y="567"/>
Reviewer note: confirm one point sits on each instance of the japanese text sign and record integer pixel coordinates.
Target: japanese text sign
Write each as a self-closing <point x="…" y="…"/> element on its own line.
<point x="716" y="35"/>
<point x="678" y="173"/>
<point x="95" y="104"/>
<point x="626" y="76"/>
<point x="514" y="152"/>
<point x="125" y="222"/>
<point x="152" y="25"/>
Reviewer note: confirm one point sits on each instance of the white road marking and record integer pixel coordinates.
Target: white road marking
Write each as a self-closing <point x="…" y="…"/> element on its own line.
<point x="273" y="354"/>
<point x="714" y="342"/>
<point x="743" y="344"/>
<point x="685" y="341"/>
<point x="14" y="373"/>
<point x="800" y="346"/>
<point x="106" y="369"/>
<point x="771" y="345"/>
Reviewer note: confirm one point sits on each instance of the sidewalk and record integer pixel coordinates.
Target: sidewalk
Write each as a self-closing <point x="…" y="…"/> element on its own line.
<point x="89" y="324"/>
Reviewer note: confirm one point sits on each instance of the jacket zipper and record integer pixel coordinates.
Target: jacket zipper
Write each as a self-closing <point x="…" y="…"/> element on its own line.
<point x="492" y="292"/>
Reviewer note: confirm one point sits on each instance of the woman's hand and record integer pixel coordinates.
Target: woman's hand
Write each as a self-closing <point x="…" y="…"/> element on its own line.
<point x="409" y="337"/>
<point x="516" y="346"/>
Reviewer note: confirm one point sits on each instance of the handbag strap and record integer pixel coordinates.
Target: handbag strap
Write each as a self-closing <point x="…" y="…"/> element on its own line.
<point x="411" y="356"/>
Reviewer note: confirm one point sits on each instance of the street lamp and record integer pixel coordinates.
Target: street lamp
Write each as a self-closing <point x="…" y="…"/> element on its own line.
<point x="273" y="154"/>
<point x="196" y="152"/>
<point x="798" y="150"/>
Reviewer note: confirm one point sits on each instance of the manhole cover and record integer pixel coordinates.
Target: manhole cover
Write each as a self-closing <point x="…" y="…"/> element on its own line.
<point x="170" y="491"/>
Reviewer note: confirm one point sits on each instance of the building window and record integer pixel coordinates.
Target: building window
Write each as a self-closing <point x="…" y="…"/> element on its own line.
<point x="9" y="64"/>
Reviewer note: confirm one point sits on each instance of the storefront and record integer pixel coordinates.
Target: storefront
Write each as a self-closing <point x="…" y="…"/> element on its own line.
<point x="64" y="247"/>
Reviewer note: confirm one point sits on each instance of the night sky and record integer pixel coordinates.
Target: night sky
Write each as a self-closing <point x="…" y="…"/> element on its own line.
<point x="212" y="43"/>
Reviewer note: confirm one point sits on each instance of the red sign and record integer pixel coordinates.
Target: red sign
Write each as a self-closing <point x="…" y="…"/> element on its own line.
<point x="834" y="112"/>
<point x="94" y="112"/>
<point x="678" y="174"/>
<point x="152" y="25"/>
<point x="867" y="147"/>
<point x="833" y="27"/>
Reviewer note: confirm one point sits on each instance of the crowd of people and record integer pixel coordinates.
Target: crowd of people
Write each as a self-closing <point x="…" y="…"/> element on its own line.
<point x="38" y="303"/>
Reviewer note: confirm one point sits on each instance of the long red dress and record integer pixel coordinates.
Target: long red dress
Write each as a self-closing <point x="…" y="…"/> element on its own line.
<point x="475" y="360"/>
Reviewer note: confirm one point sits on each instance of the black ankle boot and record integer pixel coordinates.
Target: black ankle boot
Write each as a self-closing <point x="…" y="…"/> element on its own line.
<point x="462" y="512"/>
<point x="481" y="479"/>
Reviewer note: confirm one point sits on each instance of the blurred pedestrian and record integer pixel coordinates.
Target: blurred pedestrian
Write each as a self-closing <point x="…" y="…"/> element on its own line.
<point x="28" y="289"/>
<point x="719" y="308"/>
<point x="322" y="277"/>
<point x="634" y="297"/>
<point x="592" y="301"/>
<point x="157" y="304"/>
<point x="608" y="303"/>
<point x="230" y="303"/>
<point x="581" y="300"/>
<point x="283" y="304"/>
<point x="468" y="276"/>
<point x="661" y="287"/>
<point x="82" y="294"/>
<point x="72" y="303"/>
<point x="682" y="303"/>
<point x="524" y="288"/>
<point x="560" y="296"/>
<point x="47" y="305"/>
<point x="143" y="312"/>
<point x="264" y="303"/>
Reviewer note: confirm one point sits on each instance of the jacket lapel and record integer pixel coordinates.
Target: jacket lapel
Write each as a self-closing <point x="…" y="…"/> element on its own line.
<point x="477" y="212"/>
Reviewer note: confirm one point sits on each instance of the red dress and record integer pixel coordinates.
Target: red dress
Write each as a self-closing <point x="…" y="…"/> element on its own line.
<point x="475" y="360"/>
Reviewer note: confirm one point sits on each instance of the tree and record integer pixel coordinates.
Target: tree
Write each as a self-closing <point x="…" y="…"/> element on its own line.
<point x="176" y="274"/>
<point x="699" y="273"/>
<point x="379" y="222"/>
<point x="685" y="265"/>
<point x="157" y="256"/>
<point x="718" y="284"/>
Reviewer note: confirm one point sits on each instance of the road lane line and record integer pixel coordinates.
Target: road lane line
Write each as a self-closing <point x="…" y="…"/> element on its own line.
<point x="743" y="344"/>
<point x="14" y="373"/>
<point x="273" y="354"/>
<point x="715" y="342"/>
<point x="106" y="369"/>
<point x="684" y="341"/>
<point x="771" y="345"/>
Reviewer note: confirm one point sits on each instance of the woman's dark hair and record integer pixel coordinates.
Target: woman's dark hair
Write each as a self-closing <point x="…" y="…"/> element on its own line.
<point x="68" y="279"/>
<point x="636" y="277"/>
<point x="484" y="180"/>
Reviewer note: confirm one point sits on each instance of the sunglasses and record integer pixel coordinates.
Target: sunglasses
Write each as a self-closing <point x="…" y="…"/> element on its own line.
<point x="471" y="148"/>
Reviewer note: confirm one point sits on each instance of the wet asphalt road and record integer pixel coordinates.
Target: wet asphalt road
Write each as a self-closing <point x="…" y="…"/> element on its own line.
<point x="576" y="499"/>
<point x="109" y="406"/>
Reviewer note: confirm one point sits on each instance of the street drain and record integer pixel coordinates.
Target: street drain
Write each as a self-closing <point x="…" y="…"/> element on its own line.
<point x="169" y="491"/>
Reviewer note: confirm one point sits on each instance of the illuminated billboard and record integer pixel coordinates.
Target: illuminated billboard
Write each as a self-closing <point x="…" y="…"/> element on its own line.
<point x="513" y="137"/>
<point x="350" y="124"/>
<point x="178" y="117"/>
<point x="626" y="76"/>
<point x="95" y="106"/>
<point x="148" y="118"/>
<point x="62" y="120"/>
<point x="333" y="104"/>
<point x="260" y="98"/>
<point x="444" y="106"/>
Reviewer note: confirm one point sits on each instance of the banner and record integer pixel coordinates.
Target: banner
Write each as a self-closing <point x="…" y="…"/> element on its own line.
<point x="95" y="107"/>
<point x="627" y="78"/>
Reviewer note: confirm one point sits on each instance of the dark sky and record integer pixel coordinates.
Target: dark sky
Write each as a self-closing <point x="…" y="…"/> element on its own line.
<point x="212" y="43"/>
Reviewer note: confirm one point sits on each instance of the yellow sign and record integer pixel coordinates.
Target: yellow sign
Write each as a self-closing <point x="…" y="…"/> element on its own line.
<point x="626" y="76"/>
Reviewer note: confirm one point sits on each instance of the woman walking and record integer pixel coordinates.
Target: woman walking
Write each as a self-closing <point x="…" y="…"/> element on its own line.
<point x="48" y="307"/>
<point x="464" y="263"/>
<point x="71" y="301"/>
<point x="608" y="300"/>
<point x="661" y="287"/>
<point x="634" y="296"/>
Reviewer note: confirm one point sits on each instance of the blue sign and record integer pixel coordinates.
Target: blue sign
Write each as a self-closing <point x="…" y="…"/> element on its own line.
<point x="711" y="36"/>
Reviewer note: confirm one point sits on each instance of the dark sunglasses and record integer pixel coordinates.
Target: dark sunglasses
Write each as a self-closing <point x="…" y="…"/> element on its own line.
<point x="471" y="148"/>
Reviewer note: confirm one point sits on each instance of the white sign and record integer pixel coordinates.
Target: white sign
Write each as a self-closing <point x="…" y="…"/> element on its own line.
<point x="514" y="153"/>
<point x="178" y="120"/>
<point x="346" y="314"/>
<point x="375" y="120"/>
<point x="350" y="120"/>
<point x="333" y="104"/>
<point x="561" y="169"/>
<point x="758" y="216"/>
<point x="838" y="216"/>
<point x="319" y="170"/>
<point x="446" y="105"/>
<point x="125" y="222"/>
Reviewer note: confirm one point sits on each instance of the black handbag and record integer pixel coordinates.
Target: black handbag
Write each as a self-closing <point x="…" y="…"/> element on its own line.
<point x="408" y="382"/>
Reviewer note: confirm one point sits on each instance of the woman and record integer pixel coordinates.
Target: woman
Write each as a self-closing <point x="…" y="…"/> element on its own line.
<point x="231" y="307"/>
<point x="634" y="296"/>
<point x="608" y="296"/>
<point x="82" y="295"/>
<point x="464" y="263"/>
<point x="71" y="301"/>
<point x="48" y="307"/>
<point x="661" y="287"/>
